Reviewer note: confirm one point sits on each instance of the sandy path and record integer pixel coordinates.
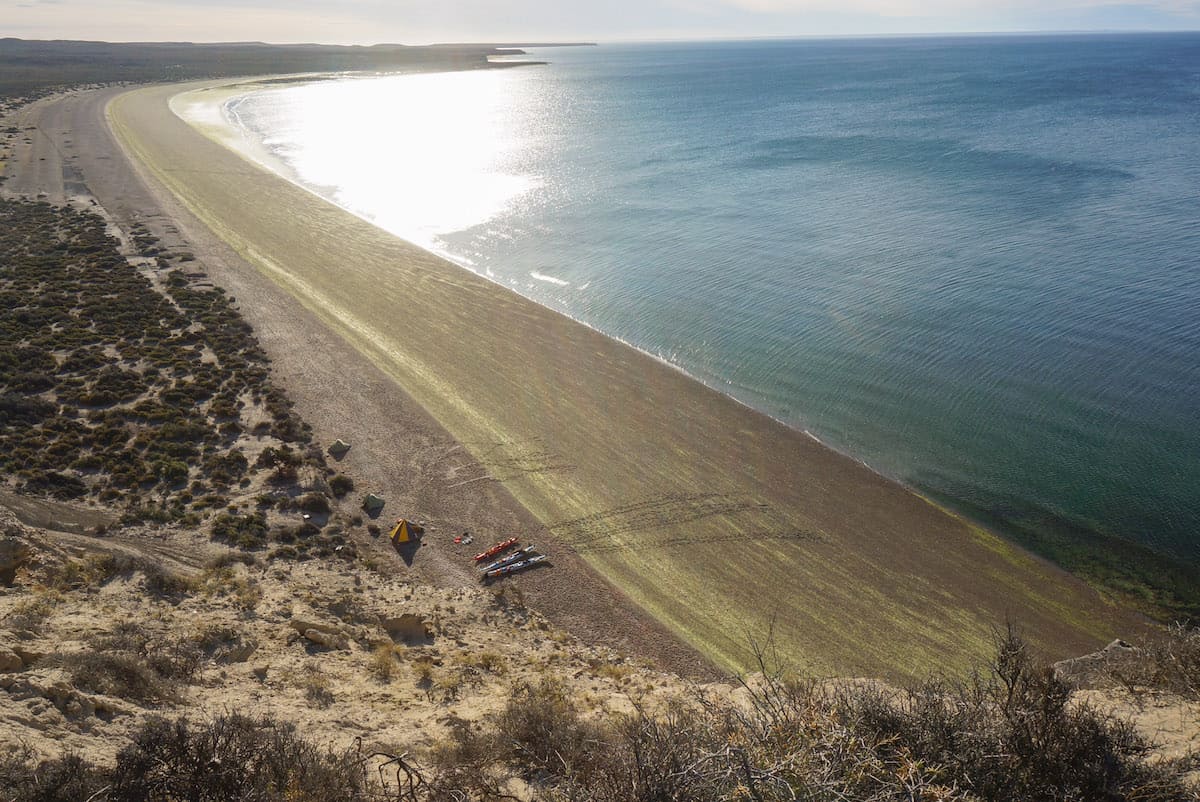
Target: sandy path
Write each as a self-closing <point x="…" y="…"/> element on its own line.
<point x="713" y="518"/>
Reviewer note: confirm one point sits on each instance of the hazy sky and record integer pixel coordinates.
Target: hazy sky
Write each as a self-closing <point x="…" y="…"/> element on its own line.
<point x="420" y="21"/>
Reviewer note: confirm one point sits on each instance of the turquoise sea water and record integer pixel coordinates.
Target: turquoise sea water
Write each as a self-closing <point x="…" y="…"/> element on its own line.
<point x="973" y="263"/>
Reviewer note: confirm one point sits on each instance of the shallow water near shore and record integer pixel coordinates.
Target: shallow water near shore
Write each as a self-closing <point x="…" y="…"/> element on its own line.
<point x="969" y="262"/>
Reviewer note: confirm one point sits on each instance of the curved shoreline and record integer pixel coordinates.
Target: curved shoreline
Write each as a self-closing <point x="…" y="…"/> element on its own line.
<point x="258" y="155"/>
<point x="702" y="510"/>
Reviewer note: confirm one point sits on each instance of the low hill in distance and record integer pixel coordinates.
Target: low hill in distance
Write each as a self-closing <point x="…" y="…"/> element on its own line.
<point x="29" y="65"/>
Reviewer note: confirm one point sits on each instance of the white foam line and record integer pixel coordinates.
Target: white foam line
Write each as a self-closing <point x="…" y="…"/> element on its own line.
<point x="549" y="279"/>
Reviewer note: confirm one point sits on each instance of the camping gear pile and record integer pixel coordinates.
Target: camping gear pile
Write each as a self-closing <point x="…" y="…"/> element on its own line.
<point x="510" y="563"/>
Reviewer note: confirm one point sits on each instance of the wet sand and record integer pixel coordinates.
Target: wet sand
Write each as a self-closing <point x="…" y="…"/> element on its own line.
<point x="713" y="519"/>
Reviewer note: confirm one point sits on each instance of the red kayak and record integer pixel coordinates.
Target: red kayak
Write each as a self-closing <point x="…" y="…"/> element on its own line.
<point x="496" y="549"/>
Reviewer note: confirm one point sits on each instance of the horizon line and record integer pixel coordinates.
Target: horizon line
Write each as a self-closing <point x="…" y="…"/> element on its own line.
<point x="582" y="41"/>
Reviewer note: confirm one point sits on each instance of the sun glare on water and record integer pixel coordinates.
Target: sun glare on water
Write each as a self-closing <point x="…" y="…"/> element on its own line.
<point x="419" y="155"/>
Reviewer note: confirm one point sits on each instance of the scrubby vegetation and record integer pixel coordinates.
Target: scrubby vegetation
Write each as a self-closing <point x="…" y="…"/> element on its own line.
<point x="1011" y="733"/>
<point x="230" y="758"/>
<point x="1167" y="660"/>
<point x="136" y="388"/>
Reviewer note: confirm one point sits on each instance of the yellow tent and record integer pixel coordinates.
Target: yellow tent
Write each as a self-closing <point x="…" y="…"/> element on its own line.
<point x="401" y="532"/>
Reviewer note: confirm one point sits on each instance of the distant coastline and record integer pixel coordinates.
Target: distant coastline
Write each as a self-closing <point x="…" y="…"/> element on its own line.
<point x="40" y="66"/>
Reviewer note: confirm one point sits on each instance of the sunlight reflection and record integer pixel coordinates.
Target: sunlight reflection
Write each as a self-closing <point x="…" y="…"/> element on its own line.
<point x="420" y="155"/>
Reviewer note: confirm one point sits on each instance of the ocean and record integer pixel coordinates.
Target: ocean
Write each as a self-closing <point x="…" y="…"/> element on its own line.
<point x="972" y="262"/>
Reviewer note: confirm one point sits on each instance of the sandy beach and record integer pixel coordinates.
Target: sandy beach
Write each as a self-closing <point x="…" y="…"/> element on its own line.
<point x="678" y="520"/>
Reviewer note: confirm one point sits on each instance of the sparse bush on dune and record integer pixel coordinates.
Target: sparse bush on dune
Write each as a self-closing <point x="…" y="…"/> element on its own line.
<point x="1166" y="660"/>
<point x="31" y="614"/>
<point x="124" y="675"/>
<point x="25" y="778"/>
<point x="244" y="531"/>
<point x="383" y="665"/>
<point x="229" y="759"/>
<point x="315" y="684"/>
<point x="314" y="503"/>
<point x="1011" y="734"/>
<point x="341" y="484"/>
<point x="132" y="662"/>
<point x="110" y="386"/>
<point x="230" y="558"/>
<point x="100" y="568"/>
<point x="233" y="758"/>
<point x="166" y="584"/>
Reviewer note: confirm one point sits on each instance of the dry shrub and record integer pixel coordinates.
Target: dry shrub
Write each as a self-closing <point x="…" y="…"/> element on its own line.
<point x="422" y="668"/>
<point x="99" y="569"/>
<point x="544" y="731"/>
<point x="231" y="558"/>
<point x="314" y="503"/>
<point x="1167" y="660"/>
<point x="121" y="674"/>
<point x="543" y="737"/>
<point x="617" y="672"/>
<point x="383" y="664"/>
<point x="32" y="614"/>
<point x="316" y="687"/>
<point x="489" y="662"/>
<point x="227" y="581"/>
<point x="164" y="584"/>
<point x="1009" y="734"/>
<point x="173" y="658"/>
<point x="212" y="638"/>
<point x="130" y="663"/>
<point x="341" y="484"/>
<point x="26" y="778"/>
<point x="232" y="758"/>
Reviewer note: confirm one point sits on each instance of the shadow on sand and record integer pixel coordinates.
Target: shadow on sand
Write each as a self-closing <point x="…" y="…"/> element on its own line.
<point x="408" y="551"/>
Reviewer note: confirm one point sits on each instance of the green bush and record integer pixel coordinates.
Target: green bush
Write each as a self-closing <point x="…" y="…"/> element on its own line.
<point x="171" y="473"/>
<point x="341" y="484"/>
<point x="244" y="531"/>
<point x="314" y="503"/>
<point x="20" y="410"/>
<point x="56" y="484"/>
